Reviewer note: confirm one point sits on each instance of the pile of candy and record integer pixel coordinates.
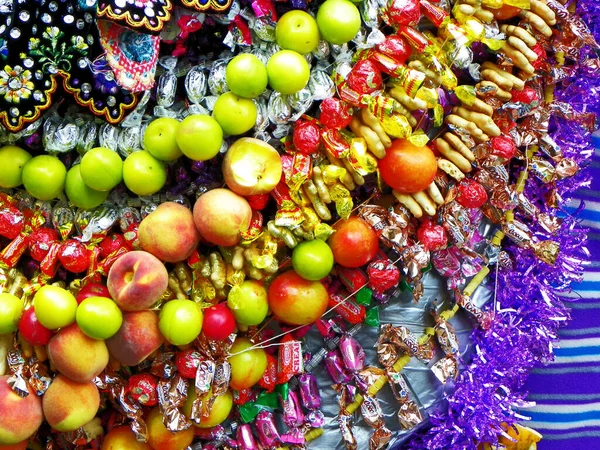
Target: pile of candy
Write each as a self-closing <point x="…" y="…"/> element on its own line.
<point x="480" y="94"/>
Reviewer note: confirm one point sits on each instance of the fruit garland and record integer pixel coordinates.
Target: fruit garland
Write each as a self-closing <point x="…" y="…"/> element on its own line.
<point x="416" y="137"/>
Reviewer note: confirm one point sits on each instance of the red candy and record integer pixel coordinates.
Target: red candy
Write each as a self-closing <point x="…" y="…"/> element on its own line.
<point x="432" y="236"/>
<point x="528" y="95"/>
<point x="541" y="53"/>
<point x="403" y="12"/>
<point x="471" y="194"/>
<point x="397" y="47"/>
<point x="40" y="241"/>
<point x="111" y="244"/>
<point x="142" y="388"/>
<point x="32" y="330"/>
<point x="307" y="136"/>
<point x="383" y="275"/>
<point x="258" y="201"/>
<point x="244" y="396"/>
<point x="504" y="147"/>
<point x="289" y="361"/>
<point x="11" y="222"/>
<point x="365" y="77"/>
<point x="335" y="113"/>
<point x="187" y="363"/>
<point x="74" y="256"/>
<point x="269" y="379"/>
<point x="347" y="308"/>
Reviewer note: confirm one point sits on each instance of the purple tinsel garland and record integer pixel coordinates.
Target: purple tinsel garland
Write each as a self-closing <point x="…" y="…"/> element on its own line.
<point x="528" y="309"/>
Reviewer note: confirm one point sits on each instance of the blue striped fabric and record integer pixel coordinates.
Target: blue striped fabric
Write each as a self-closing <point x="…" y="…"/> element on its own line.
<point x="567" y="392"/>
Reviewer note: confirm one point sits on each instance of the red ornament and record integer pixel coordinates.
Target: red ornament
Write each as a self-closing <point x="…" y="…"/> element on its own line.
<point x="335" y="113"/>
<point x="187" y="363"/>
<point x="11" y="222"/>
<point x="504" y="147"/>
<point x="432" y="236"/>
<point x="74" y="256"/>
<point x="365" y="77"/>
<point x="32" y="330"/>
<point x="142" y="388"/>
<point x="40" y="241"/>
<point x="471" y="194"/>
<point x="307" y="136"/>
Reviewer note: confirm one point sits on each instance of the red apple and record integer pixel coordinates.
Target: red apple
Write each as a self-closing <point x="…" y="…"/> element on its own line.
<point x="137" y="280"/>
<point x="92" y="290"/>
<point x="32" y="330"/>
<point x="354" y="242"/>
<point x="169" y="232"/>
<point x="297" y="301"/>
<point x="251" y="167"/>
<point x="221" y="215"/>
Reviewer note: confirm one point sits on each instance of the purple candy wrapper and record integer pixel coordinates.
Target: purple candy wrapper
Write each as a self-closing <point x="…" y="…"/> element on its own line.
<point x="335" y="367"/>
<point x="292" y="412"/>
<point x="266" y="429"/>
<point x="309" y="391"/>
<point x="352" y="352"/>
<point x="245" y="438"/>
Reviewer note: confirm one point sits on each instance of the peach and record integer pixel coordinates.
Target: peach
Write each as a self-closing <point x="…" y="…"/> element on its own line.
<point x="160" y="438"/>
<point x="19" y="417"/>
<point x="76" y="355"/>
<point x="137" y="280"/>
<point x="138" y="337"/>
<point x="123" y="438"/>
<point x="69" y="405"/>
<point x="169" y="232"/>
<point x="221" y="215"/>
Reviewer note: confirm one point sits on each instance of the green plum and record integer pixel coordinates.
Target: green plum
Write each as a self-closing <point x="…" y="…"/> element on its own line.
<point x="12" y="160"/>
<point x="312" y="260"/>
<point x="44" y="177"/>
<point x="143" y="173"/>
<point x="101" y="168"/>
<point x="99" y="317"/>
<point x="79" y="193"/>
<point x="54" y="307"/>
<point x="246" y="76"/>
<point x="11" y="308"/>
<point x="180" y="321"/>
<point x="248" y="302"/>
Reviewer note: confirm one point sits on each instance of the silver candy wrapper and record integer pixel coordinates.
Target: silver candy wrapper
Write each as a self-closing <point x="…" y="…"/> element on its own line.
<point x="216" y="80"/>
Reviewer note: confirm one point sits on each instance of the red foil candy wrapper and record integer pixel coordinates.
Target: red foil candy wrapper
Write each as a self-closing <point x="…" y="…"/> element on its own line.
<point x="11" y="222"/>
<point x="335" y="113"/>
<point x="471" y="194"/>
<point x="504" y="147"/>
<point x="432" y="236"/>
<point x="142" y="388"/>
<point x="269" y="379"/>
<point x="111" y="244"/>
<point x="306" y="137"/>
<point x="353" y="279"/>
<point x="346" y="307"/>
<point x="402" y="12"/>
<point x="396" y="47"/>
<point x="365" y="77"/>
<point x="259" y="201"/>
<point x="352" y="353"/>
<point x="383" y="275"/>
<point x="40" y="241"/>
<point x="74" y="256"/>
<point x="187" y="363"/>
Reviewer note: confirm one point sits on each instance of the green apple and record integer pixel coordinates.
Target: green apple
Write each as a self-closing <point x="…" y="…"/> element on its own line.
<point x="44" y="177"/>
<point x="312" y="260"/>
<point x="297" y="30"/>
<point x="248" y="302"/>
<point x="180" y="321"/>
<point x="79" y="193"/>
<point x="235" y="115"/>
<point x="11" y="308"/>
<point x="288" y="72"/>
<point x="99" y="317"/>
<point x="246" y="76"/>
<point x="101" y="168"/>
<point x="12" y="160"/>
<point x="200" y="137"/>
<point x="143" y="173"/>
<point x="54" y="307"/>
<point x="338" y="20"/>
<point x="160" y="141"/>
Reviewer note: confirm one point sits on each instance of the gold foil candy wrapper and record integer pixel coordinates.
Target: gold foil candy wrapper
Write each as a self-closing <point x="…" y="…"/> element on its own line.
<point x="40" y="379"/>
<point x="205" y="374"/>
<point x="345" y="424"/>
<point x="222" y="377"/>
<point x="446" y="336"/>
<point x="484" y="318"/>
<point x="374" y="215"/>
<point x="370" y="375"/>
<point x="411" y="80"/>
<point x="396" y="125"/>
<point x="343" y="200"/>
<point x="335" y="143"/>
<point x="380" y="438"/>
<point x="409" y="415"/>
<point x="542" y="169"/>
<point x="288" y="216"/>
<point x="371" y="412"/>
<point x="380" y="105"/>
<point x="446" y="368"/>
<point x="172" y="395"/>
<point x="398" y="385"/>
<point x="360" y="159"/>
<point x="549" y="222"/>
<point x="18" y="369"/>
<point x="566" y="167"/>
<point x="130" y="409"/>
<point x="401" y="337"/>
<point x="518" y="232"/>
<point x="387" y="354"/>
<point x="332" y="173"/>
<point x="426" y="351"/>
<point x="419" y="138"/>
<point x="547" y="251"/>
